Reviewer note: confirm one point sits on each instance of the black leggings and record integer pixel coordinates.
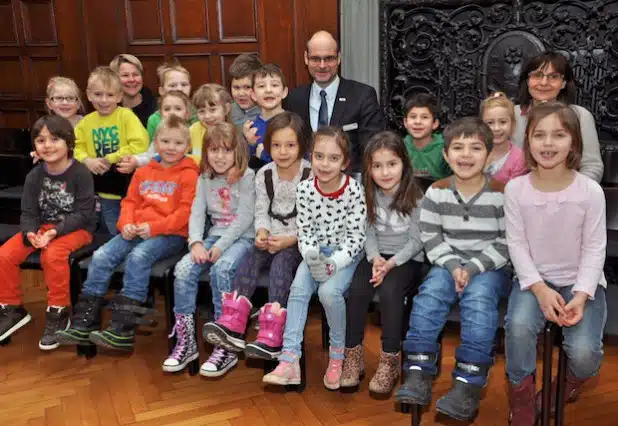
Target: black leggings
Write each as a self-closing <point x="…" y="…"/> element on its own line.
<point x="399" y="282"/>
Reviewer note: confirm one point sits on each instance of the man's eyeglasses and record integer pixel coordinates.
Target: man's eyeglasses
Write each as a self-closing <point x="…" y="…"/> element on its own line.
<point x="317" y="60"/>
<point x="61" y="99"/>
<point x="554" y="77"/>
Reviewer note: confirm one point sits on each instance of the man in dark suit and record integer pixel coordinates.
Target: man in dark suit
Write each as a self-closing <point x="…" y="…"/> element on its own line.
<point x="332" y="100"/>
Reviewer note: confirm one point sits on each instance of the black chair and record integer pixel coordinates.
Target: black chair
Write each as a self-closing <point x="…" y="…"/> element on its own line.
<point x="551" y="332"/>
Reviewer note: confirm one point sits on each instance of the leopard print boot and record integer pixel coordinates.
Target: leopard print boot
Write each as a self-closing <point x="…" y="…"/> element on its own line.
<point x="386" y="375"/>
<point x="353" y="367"/>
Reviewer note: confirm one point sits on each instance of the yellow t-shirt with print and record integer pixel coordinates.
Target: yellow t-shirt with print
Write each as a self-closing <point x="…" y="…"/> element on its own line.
<point x="197" y="132"/>
<point x="111" y="136"/>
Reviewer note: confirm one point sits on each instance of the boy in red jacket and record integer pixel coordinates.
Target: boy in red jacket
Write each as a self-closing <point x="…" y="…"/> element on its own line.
<point x="153" y="225"/>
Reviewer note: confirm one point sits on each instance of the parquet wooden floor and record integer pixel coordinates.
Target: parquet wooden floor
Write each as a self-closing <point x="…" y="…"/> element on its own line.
<point x="59" y="388"/>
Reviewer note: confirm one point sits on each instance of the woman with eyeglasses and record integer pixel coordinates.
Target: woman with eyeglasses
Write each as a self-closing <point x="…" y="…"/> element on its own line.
<point x="548" y="77"/>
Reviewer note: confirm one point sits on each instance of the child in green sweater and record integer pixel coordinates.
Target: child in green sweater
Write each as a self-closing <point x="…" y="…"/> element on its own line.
<point x="424" y="144"/>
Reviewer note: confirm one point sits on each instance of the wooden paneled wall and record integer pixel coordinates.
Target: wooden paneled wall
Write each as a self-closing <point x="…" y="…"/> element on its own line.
<point x="42" y="38"/>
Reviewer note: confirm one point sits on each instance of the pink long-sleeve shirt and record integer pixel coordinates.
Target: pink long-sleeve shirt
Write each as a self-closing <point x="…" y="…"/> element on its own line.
<point x="558" y="237"/>
<point x="515" y="165"/>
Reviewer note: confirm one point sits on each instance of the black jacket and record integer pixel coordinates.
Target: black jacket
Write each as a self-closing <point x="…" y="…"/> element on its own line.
<point x="356" y="108"/>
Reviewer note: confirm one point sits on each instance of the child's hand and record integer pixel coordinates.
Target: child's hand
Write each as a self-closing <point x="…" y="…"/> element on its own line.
<point x="142" y="230"/>
<point x="574" y="310"/>
<point x="551" y="302"/>
<point x="46" y="237"/>
<point x="276" y="244"/>
<point x="320" y="266"/>
<point x="96" y="165"/>
<point x="259" y="150"/>
<point x="214" y="254"/>
<point x="261" y="238"/>
<point x="127" y="165"/>
<point x="382" y="270"/>
<point x="233" y="175"/>
<point x="461" y="277"/>
<point x="129" y="231"/>
<point x="199" y="254"/>
<point x="34" y="156"/>
<point x="250" y="132"/>
<point x="33" y="238"/>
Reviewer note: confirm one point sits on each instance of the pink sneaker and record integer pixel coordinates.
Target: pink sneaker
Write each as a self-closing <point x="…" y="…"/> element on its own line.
<point x="332" y="377"/>
<point x="286" y="373"/>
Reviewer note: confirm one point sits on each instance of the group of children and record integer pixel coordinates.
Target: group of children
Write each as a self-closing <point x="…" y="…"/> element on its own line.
<point x="312" y="227"/>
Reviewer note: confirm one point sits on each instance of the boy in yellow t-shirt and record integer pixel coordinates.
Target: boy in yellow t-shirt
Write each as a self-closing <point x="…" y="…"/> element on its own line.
<point x="103" y="137"/>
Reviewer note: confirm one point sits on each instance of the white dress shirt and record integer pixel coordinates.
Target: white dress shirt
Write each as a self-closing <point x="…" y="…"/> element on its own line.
<point x="315" y="101"/>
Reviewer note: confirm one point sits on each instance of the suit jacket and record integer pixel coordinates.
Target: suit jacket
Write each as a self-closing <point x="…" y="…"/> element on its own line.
<point x="356" y="107"/>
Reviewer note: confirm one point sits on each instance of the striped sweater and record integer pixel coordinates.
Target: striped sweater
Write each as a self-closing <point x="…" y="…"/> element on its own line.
<point x="460" y="233"/>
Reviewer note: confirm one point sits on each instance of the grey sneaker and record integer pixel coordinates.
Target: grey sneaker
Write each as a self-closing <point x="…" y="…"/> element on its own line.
<point x="12" y="318"/>
<point x="56" y="319"/>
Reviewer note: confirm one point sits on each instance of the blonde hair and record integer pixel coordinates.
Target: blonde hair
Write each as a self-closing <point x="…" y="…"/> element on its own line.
<point x="174" y="122"/>
<point x="106" y="77"/>
<point x="63" y="81"/>
<point x="224" y="134"/>
<point x="211" y="94"/>
<point x="499" y="99"/>
<point x="125" y="58"/>
<point x="165" y="68"/>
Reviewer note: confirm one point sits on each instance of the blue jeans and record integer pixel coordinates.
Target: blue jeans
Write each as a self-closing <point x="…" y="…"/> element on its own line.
<point x="138" y="255"/>
<point x="330" y="293"/>
<point x="221" y="274"/>
<point x="110" y="212"/>
<point x="478" y="306"/>
<point x="582" y="342"/>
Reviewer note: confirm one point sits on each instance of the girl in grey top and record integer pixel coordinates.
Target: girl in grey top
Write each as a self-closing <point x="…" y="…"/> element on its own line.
<point x="548" y="77"/>
<point x="392" y="267"/>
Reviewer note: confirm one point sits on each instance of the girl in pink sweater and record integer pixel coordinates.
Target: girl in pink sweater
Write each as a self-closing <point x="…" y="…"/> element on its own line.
<point x="506" y="160"/>
<point x="555" y="229"/>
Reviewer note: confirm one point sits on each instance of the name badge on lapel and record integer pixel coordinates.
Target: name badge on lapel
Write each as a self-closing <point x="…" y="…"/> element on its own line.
<point x="348" y="127"/>
<point x="342" y="99"/>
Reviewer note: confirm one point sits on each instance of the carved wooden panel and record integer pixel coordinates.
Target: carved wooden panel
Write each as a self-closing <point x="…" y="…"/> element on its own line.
<point x="237" y="20"/>
<point x="189" y="21"/>
<point x="15" y="118"/>
<point x="460" y="50"/>
<point x="199" y="66"/>
<point x="8" y="31"/>
<point x="12" y="84"/>
<point x="39" y="22"/>
<point x="40" y="70"/>
<point x="144" y="20"/>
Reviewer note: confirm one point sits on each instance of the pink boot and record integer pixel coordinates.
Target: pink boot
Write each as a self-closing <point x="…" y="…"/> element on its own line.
<point x="270" y="337"/>
<point x="229" y="330"/>
<point x="332" y="377"/>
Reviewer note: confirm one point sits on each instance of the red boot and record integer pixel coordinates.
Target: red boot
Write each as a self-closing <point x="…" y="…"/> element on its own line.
<point x="521" y="401"/>
<point x="270" y="337"/>
<point x="572" y="389"/>
<point x="229" y="330"/>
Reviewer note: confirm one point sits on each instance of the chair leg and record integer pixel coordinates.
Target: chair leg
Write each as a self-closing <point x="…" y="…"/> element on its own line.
<point x="194" y="366"/>
<point x="417" y="413"/>
<point x="561" y="384"/>
<point x="546" y="390"/>
<point x="325" y="329"/>
<point x="168" y="296"/>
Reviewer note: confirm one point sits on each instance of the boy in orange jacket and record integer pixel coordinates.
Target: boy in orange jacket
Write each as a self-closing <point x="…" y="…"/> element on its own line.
<point x="153" y="224"/>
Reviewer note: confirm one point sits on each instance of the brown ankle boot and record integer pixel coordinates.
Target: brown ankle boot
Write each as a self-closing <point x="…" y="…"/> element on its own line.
<point x="521" y="401"/>
<point x="353" y="367"/>
<point x="387" y="374"/>
<point x="572" y="389"/>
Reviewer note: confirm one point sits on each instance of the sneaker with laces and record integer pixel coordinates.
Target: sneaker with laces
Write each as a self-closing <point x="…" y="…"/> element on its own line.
<point x="220" y="362"/>
<point x="12" y="318"/>
<point x="286" y="373"/>
<point x="57" y="318"/>
<point x="332" y="377"/>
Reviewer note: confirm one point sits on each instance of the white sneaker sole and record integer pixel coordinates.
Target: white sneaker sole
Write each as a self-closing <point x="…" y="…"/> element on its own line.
<point x="208" y="373"/>
<point x="179" y="367"/>
<point x="25" y="320"/>
<point x="281" y="381"/>
<point x="53" y="345"/>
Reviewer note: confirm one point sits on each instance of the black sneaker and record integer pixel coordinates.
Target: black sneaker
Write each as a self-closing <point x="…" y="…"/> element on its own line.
<point x="86" y="319"/>
<point x="220" y="362"/>
<point x="56" y="319"/>
<point x="12" y="318"/>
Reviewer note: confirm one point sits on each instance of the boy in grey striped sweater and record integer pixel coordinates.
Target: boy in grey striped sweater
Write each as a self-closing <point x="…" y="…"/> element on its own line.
<point x="462" y="227"/>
